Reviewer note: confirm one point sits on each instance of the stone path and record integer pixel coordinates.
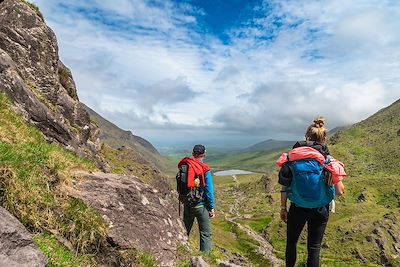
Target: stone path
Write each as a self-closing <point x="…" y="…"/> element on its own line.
<point x="265" y="248"/>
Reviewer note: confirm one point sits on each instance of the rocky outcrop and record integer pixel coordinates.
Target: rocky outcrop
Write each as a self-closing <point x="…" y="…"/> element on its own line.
<point x="16" y="246"/>
<point x="138" y="216"/>
<point x="38" y="83"/>
<point x="197" y="261"/>
<point x="227" y="264"/>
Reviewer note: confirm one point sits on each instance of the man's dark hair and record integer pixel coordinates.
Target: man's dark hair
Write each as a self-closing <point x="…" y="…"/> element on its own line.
<point x="199" y="150"/>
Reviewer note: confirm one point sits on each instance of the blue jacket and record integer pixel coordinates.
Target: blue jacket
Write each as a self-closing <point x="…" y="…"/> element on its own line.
<point x="208" y="196"/>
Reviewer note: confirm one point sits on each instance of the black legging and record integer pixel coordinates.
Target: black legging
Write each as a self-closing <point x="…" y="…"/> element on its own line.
<point x="316" y="223"/>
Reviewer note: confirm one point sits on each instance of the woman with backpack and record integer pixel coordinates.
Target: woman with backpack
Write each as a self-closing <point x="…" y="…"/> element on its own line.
<point x="312" y="153"/>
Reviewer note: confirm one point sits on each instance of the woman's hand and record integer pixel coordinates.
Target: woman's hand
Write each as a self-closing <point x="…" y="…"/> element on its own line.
<point x="284" y="215"/>
<point x="339" y="188"/>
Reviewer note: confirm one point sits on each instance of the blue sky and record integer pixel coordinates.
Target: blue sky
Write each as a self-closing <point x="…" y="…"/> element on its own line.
<point x="233" y="72"/>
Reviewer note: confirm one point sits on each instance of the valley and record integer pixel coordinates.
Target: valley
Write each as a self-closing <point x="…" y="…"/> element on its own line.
<point x="364" y="230"/>
<point x="80" y="191"/>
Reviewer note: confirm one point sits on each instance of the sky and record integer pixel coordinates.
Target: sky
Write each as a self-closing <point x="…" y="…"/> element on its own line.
<point x="231" y="72"/>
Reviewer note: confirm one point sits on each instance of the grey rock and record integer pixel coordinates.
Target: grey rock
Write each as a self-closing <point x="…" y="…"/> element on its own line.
<point x="197" y="261"/>
<point x="39" y="85"/>
<point x="16" y="246"/>
<point x="227" y="264"/>
<point x="137" y="216"/>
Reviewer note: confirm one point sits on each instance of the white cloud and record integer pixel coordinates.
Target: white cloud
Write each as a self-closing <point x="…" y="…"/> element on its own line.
<point x="153" y="69"/>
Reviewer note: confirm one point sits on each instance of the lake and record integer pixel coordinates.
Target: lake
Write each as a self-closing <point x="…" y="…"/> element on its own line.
<point x="231" y="172"/>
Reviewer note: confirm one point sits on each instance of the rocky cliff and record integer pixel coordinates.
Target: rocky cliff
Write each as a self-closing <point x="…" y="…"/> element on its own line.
<point x="100" y="216"/>
<point x="39" y="84"/>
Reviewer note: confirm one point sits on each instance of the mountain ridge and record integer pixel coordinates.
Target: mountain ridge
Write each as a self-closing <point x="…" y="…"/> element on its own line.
<point x="268" y="145"/>
<point x="118" y="138"/>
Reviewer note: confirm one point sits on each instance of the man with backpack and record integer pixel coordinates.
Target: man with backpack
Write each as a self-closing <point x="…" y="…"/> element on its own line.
<point x="195" y="188"/>
<point x="311" y="180"/>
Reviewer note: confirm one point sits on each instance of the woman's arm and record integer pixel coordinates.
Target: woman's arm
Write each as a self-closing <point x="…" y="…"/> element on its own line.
<point x="339" y="188"/>
<point x="283" y="212"/>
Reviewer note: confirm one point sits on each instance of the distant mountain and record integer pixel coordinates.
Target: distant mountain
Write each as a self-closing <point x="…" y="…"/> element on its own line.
<point x="269" y="145"/>
<point x="118" y="138"/>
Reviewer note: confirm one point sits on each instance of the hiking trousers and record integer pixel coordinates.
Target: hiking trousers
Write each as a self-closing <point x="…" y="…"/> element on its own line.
<point x="203" y="220"/>
<point x="316" y="220"/>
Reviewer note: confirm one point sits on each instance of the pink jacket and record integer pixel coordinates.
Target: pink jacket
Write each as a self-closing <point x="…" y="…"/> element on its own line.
<point x="334" y="166"/>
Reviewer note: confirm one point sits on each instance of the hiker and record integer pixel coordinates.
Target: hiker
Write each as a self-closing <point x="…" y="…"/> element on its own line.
<point x="195" y="188"/>
<point x="308" y="161"/>
<point x="318" y="122"/>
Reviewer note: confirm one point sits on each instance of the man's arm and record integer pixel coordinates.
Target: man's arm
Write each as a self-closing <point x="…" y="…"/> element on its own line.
<point x="209" y="193"/>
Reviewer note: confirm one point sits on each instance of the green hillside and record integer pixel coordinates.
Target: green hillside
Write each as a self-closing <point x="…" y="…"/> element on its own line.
<point x="370" y="150"/>
<point x="371" y="146"/>
<point x="365" y="229"/>
<point x="257" y="161"/>
<point x="269" y="145"/>
<point x="33" y="175"/>
<point x="259" y="157"/>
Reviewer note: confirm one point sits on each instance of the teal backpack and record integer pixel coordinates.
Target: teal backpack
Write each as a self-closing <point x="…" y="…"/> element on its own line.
<point x="311" y="185"/>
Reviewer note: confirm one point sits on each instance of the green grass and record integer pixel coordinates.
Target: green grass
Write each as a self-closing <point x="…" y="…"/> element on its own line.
<point x="256" y="161"/>
<point x="257" y="224"/>
<point x="33" y="178"/>
<point x="128" y="162"/>
<point x="356" y="218"/>
<point x="226" y="237"/>
<point x="58" y="255"/>
<point x="234" y="240"/>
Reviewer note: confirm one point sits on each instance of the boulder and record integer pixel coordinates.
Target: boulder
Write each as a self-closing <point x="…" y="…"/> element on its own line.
<point x="227" y="264"/>
<point x="16" y="246"/>
<point x="138" y="216"/>
<point x="198" y="261"/>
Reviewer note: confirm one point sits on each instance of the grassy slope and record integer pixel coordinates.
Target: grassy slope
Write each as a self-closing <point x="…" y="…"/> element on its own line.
<point x="269" y="145"/>
<point x="257" y="161"/>
<point x="115" y="137"/>
<point x="364" y="230"/>
<point x="33" y="174"/>
<point x="371" y="152"/>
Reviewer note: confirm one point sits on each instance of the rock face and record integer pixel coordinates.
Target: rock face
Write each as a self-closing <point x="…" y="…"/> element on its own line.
<point x="138" y="217"/>
<point x="198" y="262"/>
<point x="38" y="83"/>
<point x="16" y="246"/>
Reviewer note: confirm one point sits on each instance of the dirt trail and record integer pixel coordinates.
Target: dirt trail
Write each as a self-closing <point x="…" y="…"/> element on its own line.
<point x="265" y="247"/>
